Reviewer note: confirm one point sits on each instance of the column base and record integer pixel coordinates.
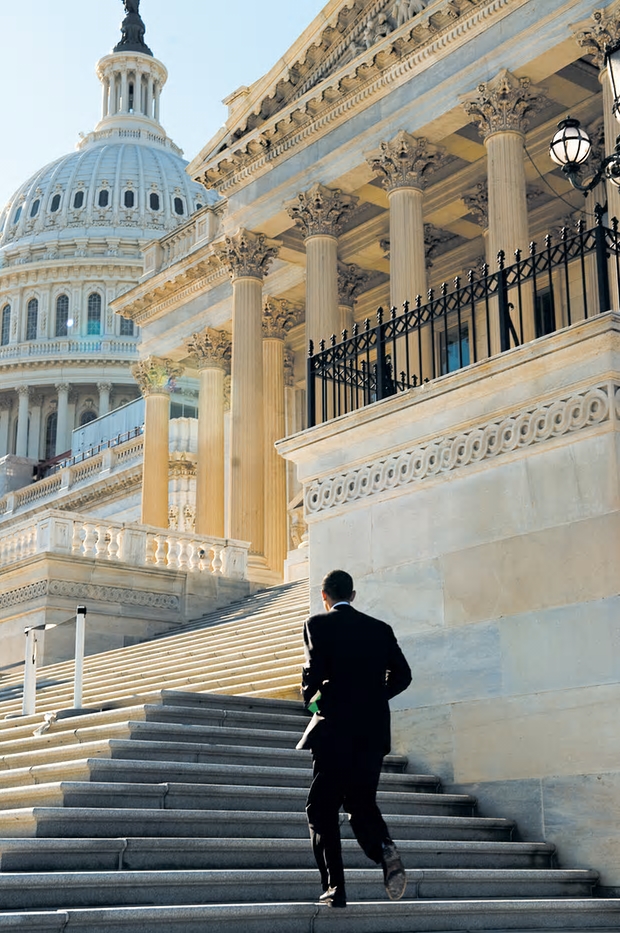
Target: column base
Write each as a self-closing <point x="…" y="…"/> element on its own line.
<point x="259" y="572"/>
<point x="297" y="565"/>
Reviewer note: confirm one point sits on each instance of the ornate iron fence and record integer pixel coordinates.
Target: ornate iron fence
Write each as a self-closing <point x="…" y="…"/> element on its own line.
<point x="567" y="281"/>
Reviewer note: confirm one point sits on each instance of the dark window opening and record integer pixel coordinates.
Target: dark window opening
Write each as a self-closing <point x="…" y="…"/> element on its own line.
<point x="51" y="428"/>
<point x="154" y="201"/>
<point x="182" y="410"/>
<point x="198" y="206"/>
<point x="87" y="417"/>
<point x="62" y="316"/>
<point x="179" y="206"/>
<point x="131" y="98"/>
<point x="55" y="205"/>
<point x="34" y="210"/>
<point x="18" y="214"/>
<point x="32" y="319"/>
<point x="78" y="200"/>
<point x="5" y="336"/>
<point x="129" y="199"/>
<point x="126" y="327"/>
<point x="544" y="313"/>
<point x="104" y="198"/>
<point x="93" y="325"/>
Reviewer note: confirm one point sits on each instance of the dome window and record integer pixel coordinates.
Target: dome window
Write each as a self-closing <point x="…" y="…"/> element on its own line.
<point x="179" y="207"/>
<point x="55" y="205"/>
<point x="18" y="214"/>
<point x="126" y="327"/>
<point x="62" y="316"/>
<point x="51" y="429"/>
<point x="104" y="198"/>
<point x="87" y="417"/>
<point x="78" y="200"/>
<point x="34" y="210"/>
<point x="5" y="332"/>
<point x="32" y="319"/>
<point x="93" y="327"/>
<point x="154" y="201"/>
<point x="129" y="198"/>
<point x="198" y="206"/>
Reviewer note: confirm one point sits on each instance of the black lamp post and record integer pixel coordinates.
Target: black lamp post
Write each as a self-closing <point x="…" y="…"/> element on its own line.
<point x="571" y="146"/>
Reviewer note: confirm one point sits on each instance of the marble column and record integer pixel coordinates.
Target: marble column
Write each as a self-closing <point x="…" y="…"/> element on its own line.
<point x="21" y="446"/>
<point x="211" y="352"/>
<point x="279" y="317"/>
<point x="404" y="166"/>
<point x="34" y="433"/>
<point x="248" y="256"/>
<point x="62" y="424"/>
<point x="320" y="213"/>
<point x="104" y="397"/>
<point x="501" y="109"/>
<point x="5" y="413"/>
<point x="154" y="376"/>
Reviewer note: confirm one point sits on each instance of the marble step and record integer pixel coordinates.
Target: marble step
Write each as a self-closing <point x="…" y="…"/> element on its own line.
<point x="36" y="891"/>
<point x="87" y="822"/>
<point x="492" y="916"/>
<point x="141" y="854"/>
<point x="218" y="797"/>
<point x="155" y="772"/>
<point x="82" y="745"/>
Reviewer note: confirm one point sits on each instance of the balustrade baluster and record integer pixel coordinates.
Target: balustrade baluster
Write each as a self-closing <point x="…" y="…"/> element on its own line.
<point x="114" y="545"/>
<point x="161" y="550"/>
<point x="217" y="560"/>
<point x="90" y="539"/>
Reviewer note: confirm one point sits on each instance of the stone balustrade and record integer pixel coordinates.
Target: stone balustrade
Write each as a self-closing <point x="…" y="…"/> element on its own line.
<point x="69" y="534"/>
<point x="55" y="348"/>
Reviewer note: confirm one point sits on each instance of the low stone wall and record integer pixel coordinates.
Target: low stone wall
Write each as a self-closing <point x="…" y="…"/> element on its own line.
<point x="480" y="516"/>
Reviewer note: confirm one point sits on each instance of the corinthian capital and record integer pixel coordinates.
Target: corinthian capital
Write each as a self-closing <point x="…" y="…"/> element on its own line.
<point x="600" y="33"/>
<point x="246" y="254"/>
<point x="351" y="281"/>
<point x="156" y="376"/>
<point x="279" y="317"/>
<point x="477" y="201"/>
<point x="321" y="210"/>
<point x="505" y="103"/>
<point x="210" y="349"/>
<point x="405" y="162"/>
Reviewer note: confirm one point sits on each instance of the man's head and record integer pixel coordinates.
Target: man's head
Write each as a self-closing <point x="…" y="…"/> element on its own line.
<point x="337" y="587"/>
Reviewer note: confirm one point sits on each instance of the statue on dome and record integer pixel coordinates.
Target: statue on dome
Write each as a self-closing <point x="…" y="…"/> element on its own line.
<point x="132" y="30"/>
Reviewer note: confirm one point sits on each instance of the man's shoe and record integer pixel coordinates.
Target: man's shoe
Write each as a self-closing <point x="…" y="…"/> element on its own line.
<point x="394" y="876"/>
<point x="334" y="897"/>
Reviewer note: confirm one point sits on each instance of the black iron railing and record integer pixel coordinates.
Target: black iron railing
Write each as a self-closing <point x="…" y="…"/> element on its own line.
<point x="567" y="281"/>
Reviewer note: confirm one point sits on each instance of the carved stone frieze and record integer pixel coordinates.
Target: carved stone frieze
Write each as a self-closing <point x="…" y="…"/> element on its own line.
<point x="155" y="375"/>
<point x="477" y="201"/>
<point x="279" y="317"/>
<point x="113" y="594"/>
<point x="211" y="349"/>
<point x="405" y="161"/>
<point x="246" y="254"/>
<point x="23" y="594"/>
<point x="601" y="33"/>
<point x="567" y="414"/>
<point x="504" y="104"/>
<point x="352" y="280"/>
<point x="321" y="210"/>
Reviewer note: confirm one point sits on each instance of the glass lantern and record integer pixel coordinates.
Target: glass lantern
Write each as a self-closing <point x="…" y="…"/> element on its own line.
<point x="612" y="63"/>
<point x="571" y="144"/>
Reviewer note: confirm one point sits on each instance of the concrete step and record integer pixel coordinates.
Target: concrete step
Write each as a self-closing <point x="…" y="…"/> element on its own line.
<point x="155" y="772"/>
<point x="80" y="745"/>
<point x="140" y="854"/>
<point x="177" y="796"/>
<point x="86" y="822"/>
<point x="380" y="916"/>
<point x="36" y="891"/>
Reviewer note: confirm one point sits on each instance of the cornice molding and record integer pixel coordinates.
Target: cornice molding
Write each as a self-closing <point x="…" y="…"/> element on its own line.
<point x="567" y="414"/>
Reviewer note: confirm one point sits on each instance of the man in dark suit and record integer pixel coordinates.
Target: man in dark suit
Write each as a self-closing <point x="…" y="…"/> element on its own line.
<point x="353" y="667"/>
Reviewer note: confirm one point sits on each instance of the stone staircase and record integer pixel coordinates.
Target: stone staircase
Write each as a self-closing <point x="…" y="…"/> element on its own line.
<point x="178" y="805"/>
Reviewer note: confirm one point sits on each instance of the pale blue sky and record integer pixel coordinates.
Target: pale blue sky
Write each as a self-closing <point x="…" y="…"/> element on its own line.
<point x="49" y="90"/>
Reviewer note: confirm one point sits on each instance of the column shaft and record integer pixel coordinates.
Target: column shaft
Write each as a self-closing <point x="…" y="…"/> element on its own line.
<point x="4" y="430"/>
<point x="124" y="108"/>
<point x="246" y="512"/>
<point x="104" y="399"/>
<point x="21" y="447"/>
<point x="407" y="258"/>
<point x="275" y="466"/>
<point x="63" y="419"/>
<point x="322" y="315"/>
<point x="34" y="433"/>
<point x="210" y="462"/>
<point x="156" y="457"/>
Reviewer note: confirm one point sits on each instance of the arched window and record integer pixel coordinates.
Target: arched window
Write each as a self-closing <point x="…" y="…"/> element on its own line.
<point x="154" y="201"/>
<point x="104" y="197"/>
<point x="93" y="324"/>
<point x="78" y="200"/>
<point x="62" y="316"/>
<point x="87" y="417"/>
<point x="5" y="336"/>
<point x="34" y="210"/>
<point x="129" y="199"/>
<point x="198" y="206"/>
<point x="51" y="426"/>
<point x="126" y="327"/>
<point x="18" y="214"/>
<point x="179" y="206"/>
<point x="55" y="205"/>
<point x="32" y="319"/>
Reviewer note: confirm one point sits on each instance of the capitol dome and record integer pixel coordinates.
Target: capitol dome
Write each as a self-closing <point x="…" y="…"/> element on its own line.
<point x="71" y="241"/>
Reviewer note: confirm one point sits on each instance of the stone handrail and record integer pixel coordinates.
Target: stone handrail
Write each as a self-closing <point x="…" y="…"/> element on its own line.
<point x="93" y="346"/>
<point x="70" y="534"/>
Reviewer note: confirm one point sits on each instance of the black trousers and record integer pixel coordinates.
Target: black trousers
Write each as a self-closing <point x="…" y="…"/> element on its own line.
<point x="345" y="774"/>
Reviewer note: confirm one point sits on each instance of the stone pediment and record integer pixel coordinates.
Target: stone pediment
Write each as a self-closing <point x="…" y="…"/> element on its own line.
<point x="348" y="42"/>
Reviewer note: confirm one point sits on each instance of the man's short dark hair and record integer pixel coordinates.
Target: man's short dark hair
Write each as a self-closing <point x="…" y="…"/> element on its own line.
<point x="338" y="584"/>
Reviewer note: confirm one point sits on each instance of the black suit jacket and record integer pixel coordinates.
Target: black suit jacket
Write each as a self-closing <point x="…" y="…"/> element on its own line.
<point x="357" y="665"/>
